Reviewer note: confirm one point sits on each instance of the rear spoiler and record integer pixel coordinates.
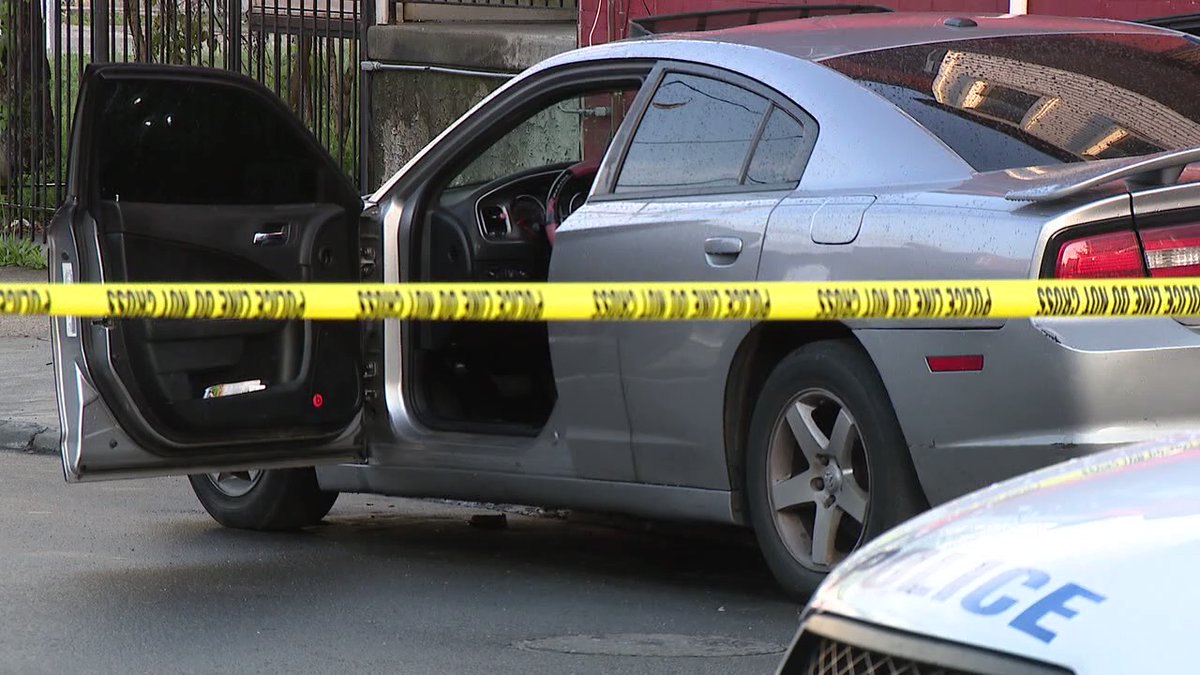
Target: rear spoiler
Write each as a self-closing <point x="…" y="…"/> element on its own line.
<point x="732" y="18"/>
<point x="1048" y="184"/>
<point x="1184" y="23"/>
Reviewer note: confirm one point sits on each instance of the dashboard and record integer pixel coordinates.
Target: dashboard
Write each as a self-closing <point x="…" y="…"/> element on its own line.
<point x="497" y="231"/>
<point x="515" y="211"/>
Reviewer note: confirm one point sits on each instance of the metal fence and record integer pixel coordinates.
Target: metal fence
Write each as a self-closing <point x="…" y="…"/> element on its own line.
<point x="307" y="51"/>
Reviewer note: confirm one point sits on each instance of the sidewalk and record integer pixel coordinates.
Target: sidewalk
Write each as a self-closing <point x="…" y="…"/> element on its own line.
<point x="28" y="410"/>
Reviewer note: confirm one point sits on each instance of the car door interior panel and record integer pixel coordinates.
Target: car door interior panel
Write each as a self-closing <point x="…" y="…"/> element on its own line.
<point x="202" y="178"/>
<point x="173" y="363"/>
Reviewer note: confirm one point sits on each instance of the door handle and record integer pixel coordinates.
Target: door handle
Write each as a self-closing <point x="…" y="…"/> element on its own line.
<point x="271" y="238"/>
<point x="723" y="246"/>
<point x="722" y="250"/>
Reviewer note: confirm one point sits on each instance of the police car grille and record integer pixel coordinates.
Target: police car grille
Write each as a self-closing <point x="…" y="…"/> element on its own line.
<point x="838" y="658"/>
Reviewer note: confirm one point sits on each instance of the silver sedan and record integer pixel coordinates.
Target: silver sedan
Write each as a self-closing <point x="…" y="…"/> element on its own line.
<point x="862" y="146"/>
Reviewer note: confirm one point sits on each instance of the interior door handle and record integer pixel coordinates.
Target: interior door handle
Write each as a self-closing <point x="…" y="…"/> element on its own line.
<point x="723" y="246"/>
<point x="271" y="238"/>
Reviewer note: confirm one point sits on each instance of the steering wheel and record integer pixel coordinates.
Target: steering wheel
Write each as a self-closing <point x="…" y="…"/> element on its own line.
<point x="579" y="178"/>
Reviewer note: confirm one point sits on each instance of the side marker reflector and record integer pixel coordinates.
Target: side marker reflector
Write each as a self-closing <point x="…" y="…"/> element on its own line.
<point x="955" y="364"/>
<point x="318" y="400"/>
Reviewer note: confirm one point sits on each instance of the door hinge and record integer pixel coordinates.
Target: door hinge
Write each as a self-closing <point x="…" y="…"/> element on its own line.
<point x="366" y="261"/>
<point x="368" y="241"/>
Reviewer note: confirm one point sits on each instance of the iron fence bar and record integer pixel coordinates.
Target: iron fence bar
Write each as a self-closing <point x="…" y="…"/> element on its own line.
<point x="341" y="104"/>
<point x="24" y="115"/>
<point x="260" y="53"/>
<point x="142" y="52"/>
<point x="100" y="31"/>
<point x="211" y="38"/>
<point x="275" y="41"/>
<point x="366" y="18"/>
<point x="27" y="91"/>
<point x="126" y="29"/>
<point x="187" y="32"/>
<point x="60" y="168"/>
<point x="12" y="189"/>
<point x="55" y="141"/>
<point x="45" y="117"/>
<point x="293" y="61"/>
<point x="18" y="170"/>
<point x="315" y="83"/>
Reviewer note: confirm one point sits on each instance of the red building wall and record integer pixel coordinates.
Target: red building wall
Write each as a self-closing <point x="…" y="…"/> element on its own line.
<point x="594" y="14"/>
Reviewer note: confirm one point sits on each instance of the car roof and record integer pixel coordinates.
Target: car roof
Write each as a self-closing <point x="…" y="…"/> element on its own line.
<point x="823" y="37"/>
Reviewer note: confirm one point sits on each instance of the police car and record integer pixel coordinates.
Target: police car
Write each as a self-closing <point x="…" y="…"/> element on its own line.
<point x="1084" y="567"/>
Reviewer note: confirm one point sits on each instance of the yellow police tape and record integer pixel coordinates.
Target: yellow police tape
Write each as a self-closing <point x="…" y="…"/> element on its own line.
<point x="612" y="302"/>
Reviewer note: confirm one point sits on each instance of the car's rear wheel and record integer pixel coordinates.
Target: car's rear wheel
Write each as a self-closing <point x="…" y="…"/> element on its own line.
<point x="827" y="467"/>
<point x="278" y="499"/>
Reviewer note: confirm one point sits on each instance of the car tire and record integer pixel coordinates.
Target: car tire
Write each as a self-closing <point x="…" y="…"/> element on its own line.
<point x="822" y="418"/>
<point x="277" y="499"/>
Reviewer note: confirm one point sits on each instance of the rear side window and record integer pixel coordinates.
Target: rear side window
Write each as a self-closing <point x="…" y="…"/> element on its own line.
<point x="1010" y="102"/>
<point x="201" y="142"/>
<point x="696" y="133"/>
<point x="777" y="157"/>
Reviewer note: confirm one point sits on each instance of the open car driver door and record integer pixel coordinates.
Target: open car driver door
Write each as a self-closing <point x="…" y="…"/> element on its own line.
<point x="201" y="176"/>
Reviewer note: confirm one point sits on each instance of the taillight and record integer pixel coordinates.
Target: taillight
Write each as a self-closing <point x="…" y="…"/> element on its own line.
<point x="1100" y="256"/>
<point x="1167" y="251"/>
<point x="1172" y="251"/>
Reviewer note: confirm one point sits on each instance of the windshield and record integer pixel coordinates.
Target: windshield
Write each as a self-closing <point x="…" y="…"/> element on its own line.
<point x="1011" y="102"/>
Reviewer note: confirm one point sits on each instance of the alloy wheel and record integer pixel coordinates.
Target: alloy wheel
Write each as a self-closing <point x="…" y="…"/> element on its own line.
<point x="235" y="483"/>
<point x="819" y="488"/>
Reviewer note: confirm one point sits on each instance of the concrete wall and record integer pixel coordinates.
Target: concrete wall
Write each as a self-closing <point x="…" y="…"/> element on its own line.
<point x="409" y="108"/>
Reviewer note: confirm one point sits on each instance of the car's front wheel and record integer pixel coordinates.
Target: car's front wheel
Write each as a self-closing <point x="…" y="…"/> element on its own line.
<point x="827" y="467"/>
<point x="278" y="499"/>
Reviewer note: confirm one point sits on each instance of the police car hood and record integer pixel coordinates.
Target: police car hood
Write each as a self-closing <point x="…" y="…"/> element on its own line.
<point x="1090" y="564"/>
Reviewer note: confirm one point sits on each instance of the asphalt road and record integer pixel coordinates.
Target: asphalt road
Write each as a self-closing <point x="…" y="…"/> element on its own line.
<point x="133" y="576"/>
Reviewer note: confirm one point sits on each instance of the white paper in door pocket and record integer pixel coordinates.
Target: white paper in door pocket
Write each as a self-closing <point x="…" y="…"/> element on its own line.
<point x="234" y="388"/>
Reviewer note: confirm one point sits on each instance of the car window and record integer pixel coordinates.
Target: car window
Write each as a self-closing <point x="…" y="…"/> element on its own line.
<point x="570" y="130"/>
<point x="695" y="133"/>
<point x="777" y="157"/>
<point x="193" y="142"/>
<point x="549" y="137"/>
<point x="1017" y="101"/>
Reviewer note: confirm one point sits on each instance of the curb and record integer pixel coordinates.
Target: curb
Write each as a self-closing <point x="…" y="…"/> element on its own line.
<point x="28" y="437"/>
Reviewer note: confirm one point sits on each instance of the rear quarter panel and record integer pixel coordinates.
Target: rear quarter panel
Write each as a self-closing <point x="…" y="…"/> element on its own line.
<point x="906" y="236"/>
<point x="921" y="237"/>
